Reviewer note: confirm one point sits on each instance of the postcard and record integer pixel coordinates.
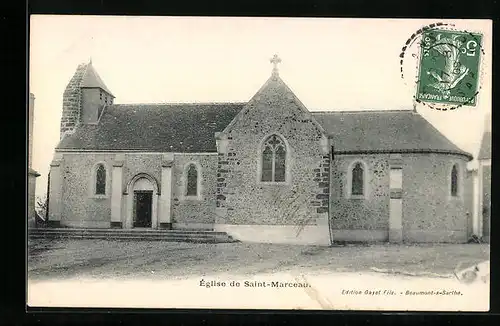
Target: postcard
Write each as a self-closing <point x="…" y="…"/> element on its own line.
<point x="259" y="163"/>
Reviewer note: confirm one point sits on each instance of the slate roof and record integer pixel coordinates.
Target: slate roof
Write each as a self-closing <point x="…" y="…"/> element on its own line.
<point x="92" y="79"/>
<point x="402" y="130"/>
<point x="192" y="127"/>
<point x="485" y="149"/>
<point x="155" y="127"/>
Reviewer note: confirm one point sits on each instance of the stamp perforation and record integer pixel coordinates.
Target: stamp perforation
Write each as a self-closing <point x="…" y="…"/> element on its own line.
<point x="417" y="38"/>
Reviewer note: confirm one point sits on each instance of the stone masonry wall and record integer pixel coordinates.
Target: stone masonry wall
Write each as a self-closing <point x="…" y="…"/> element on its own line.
<point x="79" y="204"/>
<point x="370" y="213"/>
<point x="194" y="210"/>
<point x="78" y="199"/>
<point x="246" y="200"/>
<point x="72" y="102"/>
<point x="142" y="163"/>
<point x="429" y="212"/>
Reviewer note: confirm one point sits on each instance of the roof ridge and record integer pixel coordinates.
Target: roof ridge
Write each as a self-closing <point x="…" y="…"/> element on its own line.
<point x="363" y="111"/>
<point x="84" y="68"/>
<point x="178" y="103"/>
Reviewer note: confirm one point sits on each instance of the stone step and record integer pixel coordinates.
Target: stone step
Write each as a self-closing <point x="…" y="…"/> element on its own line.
<point x="138" y="238"/>
<point x="115" y="236"/>
<point x="123" y="231"/>
<point x="127" y="234"/>
<point x="132" y="233"/>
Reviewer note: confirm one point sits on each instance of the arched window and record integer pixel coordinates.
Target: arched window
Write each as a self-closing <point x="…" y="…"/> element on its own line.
<point x="273" y="160"/>
<point x="192" y="181"/>
<point x="100" y="180"/>
<point x="454" y="181"/>
<point x="357" y="184"/>
<point x="357" y="180"/>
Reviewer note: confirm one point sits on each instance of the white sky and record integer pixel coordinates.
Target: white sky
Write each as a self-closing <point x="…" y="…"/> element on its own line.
<point x="330" y="64"/>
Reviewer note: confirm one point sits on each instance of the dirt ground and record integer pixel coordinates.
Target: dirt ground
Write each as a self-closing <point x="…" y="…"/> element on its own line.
<point x="61" y="259"/>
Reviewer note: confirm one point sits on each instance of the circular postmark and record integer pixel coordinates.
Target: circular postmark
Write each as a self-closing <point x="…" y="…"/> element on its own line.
<point x="442" y="66"/>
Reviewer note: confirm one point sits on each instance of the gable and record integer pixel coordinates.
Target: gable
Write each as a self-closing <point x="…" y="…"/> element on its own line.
<point x="274" y="96"/>
<point x="91" y="79"/>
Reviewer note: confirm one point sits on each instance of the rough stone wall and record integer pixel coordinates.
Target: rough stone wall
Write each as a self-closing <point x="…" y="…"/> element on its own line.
<point x="79" y="204"/>
<point x="190" y="210"/>
<point x="427" y="204"/>
<point x="371" y="213"/>
<point x="486" y="213"/>
<point x="304" y="198"/>
<point x="72" y="102"/>
<point x="142" y="163"/>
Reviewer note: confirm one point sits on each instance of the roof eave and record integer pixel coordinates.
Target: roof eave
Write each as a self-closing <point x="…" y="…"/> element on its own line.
<point x="107" y="91"/>
<point x="406" y="151"/>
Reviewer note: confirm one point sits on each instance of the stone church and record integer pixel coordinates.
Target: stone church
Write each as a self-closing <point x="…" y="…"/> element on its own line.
<point x="266" y="170"/>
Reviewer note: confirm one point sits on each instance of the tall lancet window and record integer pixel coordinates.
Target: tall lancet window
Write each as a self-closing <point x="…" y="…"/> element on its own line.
<point x="192" y="181"/>
<point x="454" y="181"/>
<point x="100" y="180"/>
<point x="357" y="180"/>
<point x="273" y="160"/>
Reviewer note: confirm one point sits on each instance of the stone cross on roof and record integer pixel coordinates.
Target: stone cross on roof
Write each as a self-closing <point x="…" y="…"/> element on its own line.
<point x="275" y="60"/>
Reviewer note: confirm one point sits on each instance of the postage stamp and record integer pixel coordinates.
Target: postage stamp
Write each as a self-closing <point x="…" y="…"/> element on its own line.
<point x="449" y="67"/>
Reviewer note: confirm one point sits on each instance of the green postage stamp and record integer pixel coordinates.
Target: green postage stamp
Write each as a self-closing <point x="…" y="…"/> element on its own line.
<point x="449" y="67"/>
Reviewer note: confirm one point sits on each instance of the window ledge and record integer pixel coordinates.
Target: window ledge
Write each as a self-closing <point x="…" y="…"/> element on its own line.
<point x="99" y="196"/>
<point x="193" y="198"/>
<point x="273" y="182"/>
<point x="358" y="197"/>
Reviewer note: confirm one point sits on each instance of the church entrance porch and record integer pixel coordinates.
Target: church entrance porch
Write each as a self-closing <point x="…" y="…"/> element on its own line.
<point x="143" y="201"/>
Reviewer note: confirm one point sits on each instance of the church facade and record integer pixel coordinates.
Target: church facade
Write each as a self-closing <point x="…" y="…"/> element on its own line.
<point x="267" y="170"/>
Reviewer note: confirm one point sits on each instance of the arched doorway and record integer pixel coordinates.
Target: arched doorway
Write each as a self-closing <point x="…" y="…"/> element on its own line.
<point x="143" y="204"/>
<point x="142" y="192"/>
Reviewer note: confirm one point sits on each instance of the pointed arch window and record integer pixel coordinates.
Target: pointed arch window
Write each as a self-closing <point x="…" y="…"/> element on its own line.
<point x="356" y="183"/>
<point x="273" y="160"/>
<point x="454" y="181"/>
<point x="192" y="181"/>
<point x="100" y="180"/>
<point x="357" y="180"/>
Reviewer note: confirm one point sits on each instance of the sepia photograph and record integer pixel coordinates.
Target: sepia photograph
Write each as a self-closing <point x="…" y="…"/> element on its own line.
<point x="259" y="163"/>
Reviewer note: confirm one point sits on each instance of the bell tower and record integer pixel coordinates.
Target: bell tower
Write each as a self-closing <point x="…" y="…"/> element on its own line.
<point x="84" y="99"/>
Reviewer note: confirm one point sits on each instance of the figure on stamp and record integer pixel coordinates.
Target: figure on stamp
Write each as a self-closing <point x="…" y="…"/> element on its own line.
<point x="453" y="71"/>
